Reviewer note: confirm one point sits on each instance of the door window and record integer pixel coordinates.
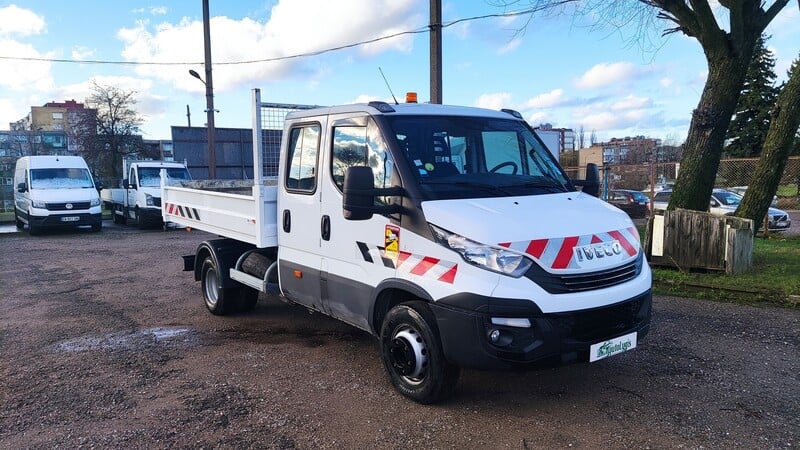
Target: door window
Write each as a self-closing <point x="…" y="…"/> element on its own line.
<point x="303" y="148"/>
<point x="361" y="146"/>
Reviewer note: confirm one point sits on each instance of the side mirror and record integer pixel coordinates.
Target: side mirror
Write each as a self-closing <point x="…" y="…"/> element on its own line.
<point x="591" y="185"/>
<point x="127" y="185"/>
<point x="358" y="193"/>
<point x="358" y="202"/>
<point x="98" y="185"/>
<point x="713" y="203"/>
<point x="22" y="187"/>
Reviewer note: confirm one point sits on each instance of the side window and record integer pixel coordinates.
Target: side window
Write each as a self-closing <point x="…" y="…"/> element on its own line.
<point x="361" y="146"/>
<point x="301" y="174"/>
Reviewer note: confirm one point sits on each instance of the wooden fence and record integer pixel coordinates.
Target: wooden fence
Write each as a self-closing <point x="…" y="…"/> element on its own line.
<point x="699" y="240"/>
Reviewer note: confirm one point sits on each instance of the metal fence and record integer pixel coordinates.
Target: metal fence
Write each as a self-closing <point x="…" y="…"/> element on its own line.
<point x="731" y="173"/>
<point x="272" y="116"/>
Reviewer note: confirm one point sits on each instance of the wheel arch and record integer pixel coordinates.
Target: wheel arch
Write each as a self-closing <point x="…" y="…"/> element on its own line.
<point x="391" y="293"/>
<point x="224" y="252"/>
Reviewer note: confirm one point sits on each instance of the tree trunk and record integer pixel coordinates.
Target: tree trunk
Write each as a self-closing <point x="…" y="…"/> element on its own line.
<point x="703" y="148"/>
<point x="777" y="147"/>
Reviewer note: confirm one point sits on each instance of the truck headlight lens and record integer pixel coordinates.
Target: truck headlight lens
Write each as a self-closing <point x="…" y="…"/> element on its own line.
<point x="94" y="202"/>
<point x="496" y="259"/>
<point x="39" y="204"/>
<point x="148" y="199"/>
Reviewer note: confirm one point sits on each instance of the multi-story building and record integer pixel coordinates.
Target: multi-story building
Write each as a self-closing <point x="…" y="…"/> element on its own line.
<point x="557" y="140"/>
<point x="629" y="150"/>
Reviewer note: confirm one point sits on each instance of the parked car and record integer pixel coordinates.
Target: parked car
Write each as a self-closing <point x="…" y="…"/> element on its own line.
<point x="635" y="203"/>
<point x="742" y="189"/>
<point x="725" y="203"/>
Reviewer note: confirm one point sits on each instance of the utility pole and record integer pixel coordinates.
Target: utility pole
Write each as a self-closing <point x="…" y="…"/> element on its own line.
<point x="436" y="51"/>
<point x="212" y="154"/>
<point x="188" y="116"/>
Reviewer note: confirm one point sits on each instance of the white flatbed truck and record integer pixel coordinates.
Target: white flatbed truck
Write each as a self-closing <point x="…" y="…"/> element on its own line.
<point x="449" y="233"/>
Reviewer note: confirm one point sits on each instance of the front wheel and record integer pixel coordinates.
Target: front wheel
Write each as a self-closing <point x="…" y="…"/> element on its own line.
<point x="412" y="354"/>
<point x="20" y="224"/>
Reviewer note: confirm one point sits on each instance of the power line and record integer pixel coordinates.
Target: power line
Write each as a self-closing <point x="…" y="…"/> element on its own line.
<point x="278" y="58"/>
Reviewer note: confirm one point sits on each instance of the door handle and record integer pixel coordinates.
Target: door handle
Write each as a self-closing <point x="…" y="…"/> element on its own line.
<point x="325" y="228"/>
<point x="287" y="221"/>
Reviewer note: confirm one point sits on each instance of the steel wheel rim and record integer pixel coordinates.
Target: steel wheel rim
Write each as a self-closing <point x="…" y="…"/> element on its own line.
<point x="409" y="355"/>
<point x="212" y="287"/>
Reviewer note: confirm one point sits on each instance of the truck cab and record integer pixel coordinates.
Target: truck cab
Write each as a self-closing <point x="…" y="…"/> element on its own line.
<point x="464" y="214"/>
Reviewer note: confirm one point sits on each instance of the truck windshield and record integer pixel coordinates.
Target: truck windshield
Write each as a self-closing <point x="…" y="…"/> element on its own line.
<point x="61" y="178"/>
<point x="462" y="157"/>
<point x="151" y="176"/>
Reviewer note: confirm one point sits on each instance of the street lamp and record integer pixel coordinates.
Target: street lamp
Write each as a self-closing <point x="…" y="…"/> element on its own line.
<point x="212" y="160"/>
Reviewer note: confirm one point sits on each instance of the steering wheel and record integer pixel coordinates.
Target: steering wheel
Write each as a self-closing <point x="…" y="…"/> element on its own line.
<point x="511" y="164"/>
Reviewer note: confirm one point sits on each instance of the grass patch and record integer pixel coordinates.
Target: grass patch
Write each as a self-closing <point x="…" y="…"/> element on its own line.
<point x="774" y="278"/>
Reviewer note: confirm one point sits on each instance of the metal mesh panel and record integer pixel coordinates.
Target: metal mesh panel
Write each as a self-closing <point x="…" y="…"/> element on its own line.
<point x="732" y="173"/>
<point x="272" y="117"/>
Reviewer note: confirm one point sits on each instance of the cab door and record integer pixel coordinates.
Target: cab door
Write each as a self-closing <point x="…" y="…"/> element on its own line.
<point x="299" y="257"/>
<point x="353" y="253"/>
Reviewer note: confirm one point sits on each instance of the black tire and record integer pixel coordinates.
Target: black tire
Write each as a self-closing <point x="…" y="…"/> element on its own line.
<point x="412" y="354"/>
<point x="20" y="224"/>
<point x="97" y="227"/>
<point x="34" y="230"/>
<point x="219" y="300"/>
<point x="118" y="218"/>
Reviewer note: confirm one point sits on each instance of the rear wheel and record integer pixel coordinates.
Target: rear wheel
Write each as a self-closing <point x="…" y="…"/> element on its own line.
<point x="412" y="354"/>
<point x="219" y="300"/>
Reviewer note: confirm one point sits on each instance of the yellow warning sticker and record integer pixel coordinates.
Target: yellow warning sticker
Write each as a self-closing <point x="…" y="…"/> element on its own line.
<point x="391" y="241"/>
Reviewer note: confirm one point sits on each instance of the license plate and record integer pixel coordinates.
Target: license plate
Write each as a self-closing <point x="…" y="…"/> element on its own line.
<point x="70" y="219"/>
<point x="611" y="347"/>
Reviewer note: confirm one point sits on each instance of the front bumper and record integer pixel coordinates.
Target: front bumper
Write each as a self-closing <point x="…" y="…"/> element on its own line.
<point x="555" y="338"/>
<point x="66" y="220"/>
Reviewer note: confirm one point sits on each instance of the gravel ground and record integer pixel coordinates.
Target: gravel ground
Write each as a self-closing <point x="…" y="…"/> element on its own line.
<point x="105" y="343"/>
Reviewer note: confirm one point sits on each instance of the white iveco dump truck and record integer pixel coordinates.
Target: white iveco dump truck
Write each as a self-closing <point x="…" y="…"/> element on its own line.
<point x="449" y="233"/>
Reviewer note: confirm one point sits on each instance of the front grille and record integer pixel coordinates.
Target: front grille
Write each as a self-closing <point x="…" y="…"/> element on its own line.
<point x="63" y="206"/>
<point x="562" y="284"/>
<point x="615" y="319"/>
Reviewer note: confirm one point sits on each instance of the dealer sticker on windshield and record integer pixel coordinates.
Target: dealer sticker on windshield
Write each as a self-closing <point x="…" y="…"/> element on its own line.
<point x="611" y="347"/>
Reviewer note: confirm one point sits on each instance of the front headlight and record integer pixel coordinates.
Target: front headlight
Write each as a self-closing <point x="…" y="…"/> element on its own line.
<point x="496" y="259"/>
<point x="39" y="204"/>
<point x="94" y="202"/>
<point x="148" y="199"/>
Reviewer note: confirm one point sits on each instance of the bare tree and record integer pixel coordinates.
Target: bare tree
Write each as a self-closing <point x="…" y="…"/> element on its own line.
<point x="593" y="138"/>
<point x="109" y="130"/>
<point x="581" y="137"/>
<point x="728" y="49"/>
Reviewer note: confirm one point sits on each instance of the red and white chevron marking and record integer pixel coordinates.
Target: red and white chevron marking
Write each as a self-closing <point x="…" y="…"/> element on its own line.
<point x="559" y="253"/>
<point x="426" y="267"/>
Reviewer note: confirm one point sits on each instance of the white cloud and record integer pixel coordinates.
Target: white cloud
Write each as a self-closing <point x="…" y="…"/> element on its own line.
<point x="295" y="27"/>
<point x="606" y="74"/>
<point x="495" y="101"/>
<point x="547" y="100"/>
<point x="81" y="53"/>
<point x="19" y="74"/>
<point x="631" y="102"/>
<point x="666" y="82"/>
<point x="18" y="21"/>
<point x="510" y="46"/>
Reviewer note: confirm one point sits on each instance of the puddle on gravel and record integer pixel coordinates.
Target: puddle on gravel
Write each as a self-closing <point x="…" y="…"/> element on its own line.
<point x="132" y="340"/>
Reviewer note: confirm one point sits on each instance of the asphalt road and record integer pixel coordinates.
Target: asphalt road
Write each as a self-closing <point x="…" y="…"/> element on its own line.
<point x="105" y="343"/>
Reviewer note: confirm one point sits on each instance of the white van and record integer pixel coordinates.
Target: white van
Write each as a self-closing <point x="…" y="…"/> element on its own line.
<point x="55" y="191"/>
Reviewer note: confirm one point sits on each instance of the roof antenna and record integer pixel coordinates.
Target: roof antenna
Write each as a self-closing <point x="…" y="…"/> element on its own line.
<point x="387" y="85"/>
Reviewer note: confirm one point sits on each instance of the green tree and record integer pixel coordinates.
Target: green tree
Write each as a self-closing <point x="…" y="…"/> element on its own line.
<point x="777" y="147"/>
<point x="748" y="128"/>
<point x="109" y="131"/>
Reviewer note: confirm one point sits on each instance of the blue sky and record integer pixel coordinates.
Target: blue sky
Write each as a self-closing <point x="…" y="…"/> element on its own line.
<point x="559" y="70"/>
